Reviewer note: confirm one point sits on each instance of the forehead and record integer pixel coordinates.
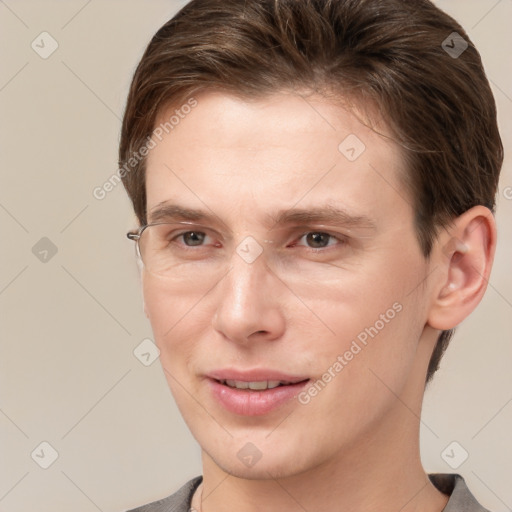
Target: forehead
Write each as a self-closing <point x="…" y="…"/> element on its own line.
<point x="250" y="157"/>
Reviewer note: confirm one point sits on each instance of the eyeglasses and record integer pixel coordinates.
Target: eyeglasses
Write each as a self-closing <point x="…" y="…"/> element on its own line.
<point x="188" y="252"/>
<point x="159" y="251"/>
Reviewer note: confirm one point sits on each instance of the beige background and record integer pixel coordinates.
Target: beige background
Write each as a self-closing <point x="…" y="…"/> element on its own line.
<point x="68" y="375"/>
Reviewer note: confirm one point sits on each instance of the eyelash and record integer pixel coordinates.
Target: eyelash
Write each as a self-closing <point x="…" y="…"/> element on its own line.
<point x="340" y="238"/>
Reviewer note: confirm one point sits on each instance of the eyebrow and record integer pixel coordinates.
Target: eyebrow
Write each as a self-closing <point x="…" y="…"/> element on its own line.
<point x="166" y="211"/>
<point x="323" y="215"/>
<point x="328" y="214"/>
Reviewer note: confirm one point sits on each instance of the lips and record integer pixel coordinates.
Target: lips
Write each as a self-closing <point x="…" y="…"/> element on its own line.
<point x="255" y="375"/>
<point x="255" y="385"/>
<point x="254" y="392"/>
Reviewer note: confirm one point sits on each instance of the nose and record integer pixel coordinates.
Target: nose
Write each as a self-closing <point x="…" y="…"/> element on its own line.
<point x="249" y="306"/>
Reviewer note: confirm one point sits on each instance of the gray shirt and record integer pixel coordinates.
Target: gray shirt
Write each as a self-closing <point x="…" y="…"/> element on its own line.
<point x="461" y="499"/>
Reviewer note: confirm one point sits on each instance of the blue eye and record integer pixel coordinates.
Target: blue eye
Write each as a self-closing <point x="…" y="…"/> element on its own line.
<point x="194" y="237"/>
<point x="318" y="239"/>
<point x="315" y="240"/>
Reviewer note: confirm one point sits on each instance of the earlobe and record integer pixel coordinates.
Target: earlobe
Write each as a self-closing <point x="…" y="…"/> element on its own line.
<point x="464" y="253"/>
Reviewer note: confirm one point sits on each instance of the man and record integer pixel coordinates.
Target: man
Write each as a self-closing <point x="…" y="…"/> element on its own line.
<point x="315" y="183"/>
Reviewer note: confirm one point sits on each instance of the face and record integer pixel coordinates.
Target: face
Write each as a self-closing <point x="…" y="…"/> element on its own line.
<point x="299" y="265"/>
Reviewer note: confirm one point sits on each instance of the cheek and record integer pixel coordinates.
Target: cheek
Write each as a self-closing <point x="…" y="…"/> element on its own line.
<point x="361" y="372"/>
<point x="376" y="318"/>
<point x="170" y="315"/>
<point x="170" y="311"/>
<point x="381" y="338"/>
<point x="362" y="297"/>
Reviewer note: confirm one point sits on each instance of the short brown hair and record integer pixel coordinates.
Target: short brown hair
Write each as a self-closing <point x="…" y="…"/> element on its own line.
<point x="393" y="53"/>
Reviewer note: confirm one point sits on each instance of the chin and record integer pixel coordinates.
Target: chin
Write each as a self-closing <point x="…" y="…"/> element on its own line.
<point x="274" y="460"/>
<point x="268" y="470"/>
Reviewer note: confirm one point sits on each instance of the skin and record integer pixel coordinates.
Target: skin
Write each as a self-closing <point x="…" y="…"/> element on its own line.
<point x="355" y="445"/>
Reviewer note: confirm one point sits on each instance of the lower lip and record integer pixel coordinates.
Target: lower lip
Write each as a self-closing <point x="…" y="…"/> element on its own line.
<point x="252" y="402"/>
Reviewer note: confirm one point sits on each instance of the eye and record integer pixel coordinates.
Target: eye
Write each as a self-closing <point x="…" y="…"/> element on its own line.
<point x="319" y="239"/>
<point x="192" y="238"/>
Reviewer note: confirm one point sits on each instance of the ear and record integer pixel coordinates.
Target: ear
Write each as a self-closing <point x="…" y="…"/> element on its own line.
<point x="464" y="253"/>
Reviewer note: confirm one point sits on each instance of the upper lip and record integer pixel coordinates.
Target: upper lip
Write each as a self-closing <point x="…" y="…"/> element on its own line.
<point x="254" y="375"/>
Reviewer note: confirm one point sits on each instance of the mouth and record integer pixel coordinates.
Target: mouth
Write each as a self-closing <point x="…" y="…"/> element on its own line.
<point x="255" y="397"/>
<point x="260" y="385"/>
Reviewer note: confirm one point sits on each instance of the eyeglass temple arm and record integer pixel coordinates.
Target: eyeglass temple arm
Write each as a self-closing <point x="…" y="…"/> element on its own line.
<point x="132" y="235"/>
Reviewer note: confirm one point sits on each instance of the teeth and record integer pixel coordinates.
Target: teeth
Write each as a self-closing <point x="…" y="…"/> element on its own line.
<point x="256" y="385"/>
<point x="237" y="384"/>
